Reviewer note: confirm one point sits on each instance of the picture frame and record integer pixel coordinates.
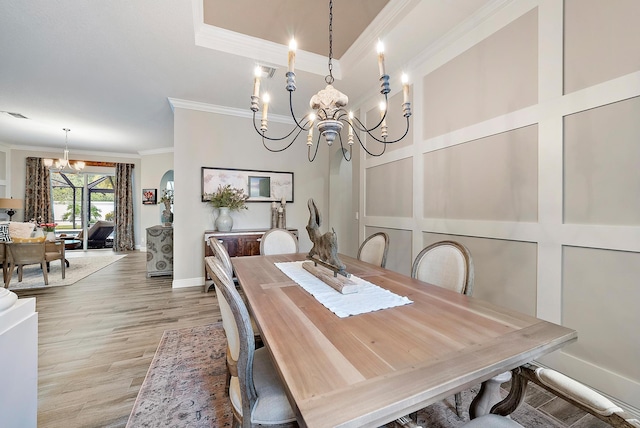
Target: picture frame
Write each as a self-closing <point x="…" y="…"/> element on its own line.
<point x="149" y="196"/>
<point x="259" y="185"/>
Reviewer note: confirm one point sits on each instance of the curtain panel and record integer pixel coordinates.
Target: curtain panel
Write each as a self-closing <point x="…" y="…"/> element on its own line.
<point x="37" y="194"/>
<point x="124" y="238"/>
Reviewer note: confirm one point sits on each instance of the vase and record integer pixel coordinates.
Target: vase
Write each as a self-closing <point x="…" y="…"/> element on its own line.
<point x="51" y="236"/>
<point x="224" y="222"/>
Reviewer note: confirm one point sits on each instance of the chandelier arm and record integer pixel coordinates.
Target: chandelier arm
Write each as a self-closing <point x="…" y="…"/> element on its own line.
<point x="406" y="131"/>
<point x="311" y="159"/>
<point x="384" y="146"/>
<point x="360" y="126"/>
<point x="344" y="150"/>
<point x="255" y="126"/>
<point x="292" y="114"/>
<point x="264" y="143"/>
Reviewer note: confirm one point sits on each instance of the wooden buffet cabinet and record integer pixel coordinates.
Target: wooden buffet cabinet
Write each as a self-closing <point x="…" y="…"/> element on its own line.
<point x="239" y="242"/>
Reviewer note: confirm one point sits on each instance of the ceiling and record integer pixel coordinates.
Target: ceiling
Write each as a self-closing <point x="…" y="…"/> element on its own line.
<point x="107" y="69"/>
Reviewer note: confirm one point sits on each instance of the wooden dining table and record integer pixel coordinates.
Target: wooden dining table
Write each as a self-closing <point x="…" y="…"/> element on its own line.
<point x="371" y="368"/>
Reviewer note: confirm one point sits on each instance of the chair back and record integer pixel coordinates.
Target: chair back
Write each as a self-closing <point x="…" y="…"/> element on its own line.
<point x="446" y="264"/>
<point x="26" y="253"/>
<point x="374" y="249"/>
<point x="278" y="241"/>
<point x="237" y="326"/>
<point x="222" y="254"/>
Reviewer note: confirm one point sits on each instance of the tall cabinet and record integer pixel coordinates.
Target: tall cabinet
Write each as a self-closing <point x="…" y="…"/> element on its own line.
<point x="159" y="250"/>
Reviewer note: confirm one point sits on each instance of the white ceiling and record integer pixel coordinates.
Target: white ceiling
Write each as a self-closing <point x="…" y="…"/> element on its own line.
<point x="105" y="69"/>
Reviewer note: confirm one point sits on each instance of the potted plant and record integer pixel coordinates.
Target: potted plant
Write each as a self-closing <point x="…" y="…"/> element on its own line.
<point x="167" y="200"/>
<point x="226" y="199"/>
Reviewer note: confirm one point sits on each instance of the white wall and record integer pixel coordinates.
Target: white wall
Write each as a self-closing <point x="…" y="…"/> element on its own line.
<point x="216" y="140"/>
<point x="153" y="167"/>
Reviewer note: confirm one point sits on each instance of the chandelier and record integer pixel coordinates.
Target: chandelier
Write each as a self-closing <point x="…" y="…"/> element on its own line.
<point x="329" y="115"/>
<point x="64" y="165"/>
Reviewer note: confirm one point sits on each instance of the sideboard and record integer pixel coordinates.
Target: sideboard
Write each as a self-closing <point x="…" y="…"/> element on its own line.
<point x="240" y="242"/>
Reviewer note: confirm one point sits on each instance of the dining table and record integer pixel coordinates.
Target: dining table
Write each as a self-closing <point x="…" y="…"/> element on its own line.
<point x="370" y="368"/>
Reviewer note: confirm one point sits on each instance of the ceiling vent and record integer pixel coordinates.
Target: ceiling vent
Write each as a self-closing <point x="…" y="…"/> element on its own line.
<point x="16" y="115"/>
<point x="267" y="71"/>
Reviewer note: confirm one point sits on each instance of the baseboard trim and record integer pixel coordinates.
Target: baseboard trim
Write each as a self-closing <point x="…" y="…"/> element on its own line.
<point x="188" y="282"/>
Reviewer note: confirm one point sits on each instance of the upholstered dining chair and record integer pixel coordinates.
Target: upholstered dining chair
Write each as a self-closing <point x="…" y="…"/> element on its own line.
<point x="256" y="393"/>
<point x="566" y="388"/>
<point x="222" y="254"/>
<point x="4" y="260"/>
<point x="447" y="264"/>
<point x="27" y="253"/>
<point x="55" y="251"/>
<point x="278" y="241"/>
<point x="374" y="249"/>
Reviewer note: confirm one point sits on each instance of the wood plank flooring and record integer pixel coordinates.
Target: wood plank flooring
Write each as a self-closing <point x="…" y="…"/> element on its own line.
<point x="97" y="338"/>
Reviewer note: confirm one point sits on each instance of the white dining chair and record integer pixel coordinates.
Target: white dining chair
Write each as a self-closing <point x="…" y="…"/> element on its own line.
<point x="256" y="393"/>
<point x="447" y="264"/>
<point x="564" y="387"/>
<point x="222" y="254"/>
<point x="278" y="241"/>
<point x="374" y="249"/>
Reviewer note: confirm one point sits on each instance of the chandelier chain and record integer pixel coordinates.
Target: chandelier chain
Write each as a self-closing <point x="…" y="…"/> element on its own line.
<point x="329" y="79"/>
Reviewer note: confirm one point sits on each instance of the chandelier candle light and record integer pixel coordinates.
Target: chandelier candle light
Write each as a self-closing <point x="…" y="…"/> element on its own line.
<point x="329" y="115"/>
<point x="64" y="165"/>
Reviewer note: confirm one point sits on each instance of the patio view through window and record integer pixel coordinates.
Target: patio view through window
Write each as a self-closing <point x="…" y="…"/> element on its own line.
<point x="68" y="202"/>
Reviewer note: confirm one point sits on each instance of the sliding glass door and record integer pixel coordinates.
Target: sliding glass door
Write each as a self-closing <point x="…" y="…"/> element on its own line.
<point x="79" y="200"/>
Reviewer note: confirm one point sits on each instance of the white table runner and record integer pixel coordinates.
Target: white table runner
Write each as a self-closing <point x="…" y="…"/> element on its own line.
<point x="369" y="297"/>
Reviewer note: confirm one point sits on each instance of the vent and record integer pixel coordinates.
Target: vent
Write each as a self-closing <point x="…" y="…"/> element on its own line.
<point x="267" y="71"/>
<point x="16" y="115"/>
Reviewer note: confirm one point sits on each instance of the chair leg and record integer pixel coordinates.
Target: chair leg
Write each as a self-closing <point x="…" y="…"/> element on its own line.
<point x="44" y="272"/>
<point x="458" y="400"/>
<point x="62" y="265"/>
<point x="20" y="273"/>
<point x="7" y="279"/>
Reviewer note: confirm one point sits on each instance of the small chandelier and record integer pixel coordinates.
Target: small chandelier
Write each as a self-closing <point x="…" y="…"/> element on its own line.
<point x="329" y="115"/>
<point x="63" y="165"/>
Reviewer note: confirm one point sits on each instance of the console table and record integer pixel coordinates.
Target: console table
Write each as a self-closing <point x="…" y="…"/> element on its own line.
<point x="240" y="242"/>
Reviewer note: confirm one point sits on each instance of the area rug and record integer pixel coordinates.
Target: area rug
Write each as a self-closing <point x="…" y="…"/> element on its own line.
<point x="185" y="384"/>
<point x="79" y="268"/>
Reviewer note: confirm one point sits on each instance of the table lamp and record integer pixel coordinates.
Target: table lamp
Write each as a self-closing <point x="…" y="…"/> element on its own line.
<point x="11" y="205"/>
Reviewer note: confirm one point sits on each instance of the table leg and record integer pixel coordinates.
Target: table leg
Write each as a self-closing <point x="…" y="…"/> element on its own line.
<point x="514" y="398"/>
<point x="488" y="396"/>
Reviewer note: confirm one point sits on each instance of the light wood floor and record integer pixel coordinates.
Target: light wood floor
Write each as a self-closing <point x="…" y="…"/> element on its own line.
<point x="97" y="338"/>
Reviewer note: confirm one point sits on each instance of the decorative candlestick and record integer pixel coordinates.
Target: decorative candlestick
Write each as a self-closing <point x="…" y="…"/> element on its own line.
<point x="274" y="215"/>
<point x="280" y="217"/>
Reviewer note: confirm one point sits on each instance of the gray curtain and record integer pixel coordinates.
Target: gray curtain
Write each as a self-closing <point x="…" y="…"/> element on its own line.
<point x="37" y="194"/>
<point x="124" y="238"/>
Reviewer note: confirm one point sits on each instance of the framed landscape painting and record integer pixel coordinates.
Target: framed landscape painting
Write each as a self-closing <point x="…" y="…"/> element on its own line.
<point x="261" y="186"/>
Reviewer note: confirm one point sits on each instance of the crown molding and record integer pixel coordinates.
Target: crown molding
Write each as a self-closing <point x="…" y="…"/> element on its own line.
<point x="159" y="151"/>
<point x="366" y="43"/>
<point x="262" y="51"/>
<point x="461" y="30"/>
<point x="228" y="111"/>
<point x="72" y="152"/>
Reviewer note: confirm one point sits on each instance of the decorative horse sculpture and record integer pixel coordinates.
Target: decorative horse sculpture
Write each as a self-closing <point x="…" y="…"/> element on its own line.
<point x="324" y="245"/>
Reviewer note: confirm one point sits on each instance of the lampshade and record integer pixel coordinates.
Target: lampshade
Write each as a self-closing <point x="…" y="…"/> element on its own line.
<point x="10" y="203"/>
